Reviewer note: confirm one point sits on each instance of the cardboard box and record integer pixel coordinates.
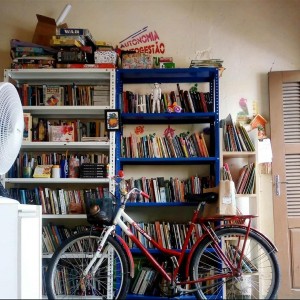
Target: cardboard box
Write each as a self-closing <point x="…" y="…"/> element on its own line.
<point x="137" y="61"/>
<point x="45" y="29"/>
<point x="105" y="57"/>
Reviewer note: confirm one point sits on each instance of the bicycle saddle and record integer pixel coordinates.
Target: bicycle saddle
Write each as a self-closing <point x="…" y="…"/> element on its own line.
<point x="210" y="197"/>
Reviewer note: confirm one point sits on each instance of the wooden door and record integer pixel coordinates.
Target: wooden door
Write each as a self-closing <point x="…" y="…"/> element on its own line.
<point x="284" y="94"/>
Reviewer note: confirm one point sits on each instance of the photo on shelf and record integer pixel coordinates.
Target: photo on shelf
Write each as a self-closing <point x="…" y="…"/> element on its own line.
<point x="112" y="119"/>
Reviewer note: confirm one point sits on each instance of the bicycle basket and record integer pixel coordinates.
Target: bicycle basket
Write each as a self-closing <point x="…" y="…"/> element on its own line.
<point x="101" y="211"/>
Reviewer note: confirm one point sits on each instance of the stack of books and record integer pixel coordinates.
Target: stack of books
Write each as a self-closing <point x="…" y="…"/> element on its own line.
<point x="31" y="56"/>
<point x="76" y="45"/>
<point x="93" y="171"/>
<point x="197" y="63"/>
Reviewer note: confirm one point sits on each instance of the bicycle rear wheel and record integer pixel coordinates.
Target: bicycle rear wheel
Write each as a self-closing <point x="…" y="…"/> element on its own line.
<point x="109" y="280"/>
<point x="259" y="274"/>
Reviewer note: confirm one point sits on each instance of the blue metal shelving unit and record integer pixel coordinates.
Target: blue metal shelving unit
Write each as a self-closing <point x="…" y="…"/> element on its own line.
<point x="178" y="75"/>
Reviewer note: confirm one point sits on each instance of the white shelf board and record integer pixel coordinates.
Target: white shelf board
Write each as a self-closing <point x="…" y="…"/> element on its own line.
<point x="68" y="111"/>
<point x="59" y="75"/>
<point x="65" y="145"/>
<point x="57" y="180"/>
<point x="63" y="217"/>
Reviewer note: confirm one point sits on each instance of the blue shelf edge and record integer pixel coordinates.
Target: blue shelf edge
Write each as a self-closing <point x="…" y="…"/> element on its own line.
<point x="130" y="118"/>
<point x="171" y="160"/>
<point x="145" y="297"/>
<point x="155" y="204"/>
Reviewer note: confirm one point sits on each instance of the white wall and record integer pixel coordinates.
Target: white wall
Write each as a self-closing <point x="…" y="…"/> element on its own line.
<point x="252" y="37"/>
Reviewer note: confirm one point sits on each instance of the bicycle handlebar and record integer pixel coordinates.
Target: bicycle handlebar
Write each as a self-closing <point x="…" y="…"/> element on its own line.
<point x="120" y="180"/>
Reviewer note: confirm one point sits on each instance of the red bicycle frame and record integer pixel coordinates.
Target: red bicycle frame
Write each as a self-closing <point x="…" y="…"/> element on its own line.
<point x="180" y="254"/>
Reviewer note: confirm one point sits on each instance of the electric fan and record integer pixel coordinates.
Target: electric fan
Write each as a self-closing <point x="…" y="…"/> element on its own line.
<point x="11" y="129"/>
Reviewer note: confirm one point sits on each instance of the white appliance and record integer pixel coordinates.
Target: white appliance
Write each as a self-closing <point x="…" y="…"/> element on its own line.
<point x="20" y="225"/>
<point x="20" y="250"/>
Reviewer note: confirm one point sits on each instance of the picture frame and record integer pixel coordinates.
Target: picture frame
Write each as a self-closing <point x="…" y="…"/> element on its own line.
<point x="112" y="119"/>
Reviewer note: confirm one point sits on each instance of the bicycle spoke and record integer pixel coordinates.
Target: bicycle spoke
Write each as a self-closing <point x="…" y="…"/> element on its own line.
<point x="256" y="279"/>
<point x="107" y="278"/>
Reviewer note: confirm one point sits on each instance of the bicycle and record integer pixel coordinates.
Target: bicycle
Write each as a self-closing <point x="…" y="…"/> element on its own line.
<point x="232" y="260"/>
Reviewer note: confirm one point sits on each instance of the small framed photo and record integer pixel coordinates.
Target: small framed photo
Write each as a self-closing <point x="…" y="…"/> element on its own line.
<point x="112" y="119"/>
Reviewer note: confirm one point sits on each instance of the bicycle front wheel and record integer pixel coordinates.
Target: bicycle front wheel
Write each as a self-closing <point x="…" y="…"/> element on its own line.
<point x="258" y="276"/>
<point x="107" y="279"/>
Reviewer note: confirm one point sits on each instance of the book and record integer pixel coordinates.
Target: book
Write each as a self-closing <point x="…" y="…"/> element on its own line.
<point x="62" y="201"/>
<point x="67" y="41"/>
<point x="156" y="190"/>
<point x="47" y="199"/>
<point x="62" y="133"/>
<point x="20" y="51"/>
<point x="162" y="189"/>
<point x="203" y="101"/>
<point x="73" y="31"/>
<point x="158" y="233"/>
<point x="206" y="153"/>
<point x="140" y="277"/>
<point x="56" y="202"/>
<point x="42" y="171"/>
<point x="53" y="95"/>
<point x="27" y="133"/>
<point x="189" y="101"/>
<point x="145" y="281"/>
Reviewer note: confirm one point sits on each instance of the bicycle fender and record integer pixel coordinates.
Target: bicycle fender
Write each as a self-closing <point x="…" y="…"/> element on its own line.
<point x="272" y="245"/>
<point x="225" y="226"/>
<point x="128" y="252"/>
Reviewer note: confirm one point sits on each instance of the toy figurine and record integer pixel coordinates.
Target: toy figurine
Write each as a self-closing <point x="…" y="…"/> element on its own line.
<point x="156" y="95"/>
<point x="174" y="107"/>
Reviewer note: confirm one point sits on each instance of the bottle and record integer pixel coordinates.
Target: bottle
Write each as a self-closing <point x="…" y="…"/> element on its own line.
<point x="55" y="171"/>
<point x="41" y="131"/>
<point x="64" y="168"/>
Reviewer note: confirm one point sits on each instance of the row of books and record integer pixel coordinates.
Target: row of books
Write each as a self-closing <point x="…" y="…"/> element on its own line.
<point x="33" y="159"/>
<point x="246" y="182"/>
<point x="151" y="146"/>
<point x="197" y="63"/>
<point x="146" y="281"/>
<point x="235" y="136"/>
<point x="189" y="102"/>
<point x="54" y="235"/>
<point x="163" y="190"/>
<point x="60" y="95"/>
<point x="42" y="129"/>
<point x="58" y="201"/>
<point x="149" y="282"/>
<point x="225" y="172"/>
<point x="168" y="235"/>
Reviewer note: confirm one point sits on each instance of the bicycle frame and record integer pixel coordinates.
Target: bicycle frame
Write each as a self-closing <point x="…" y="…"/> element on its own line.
<point x="229" y="258"/>
<point x="122" y="217"/>
<point x="177" y="256"/>
<point x="180" y="254"/>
